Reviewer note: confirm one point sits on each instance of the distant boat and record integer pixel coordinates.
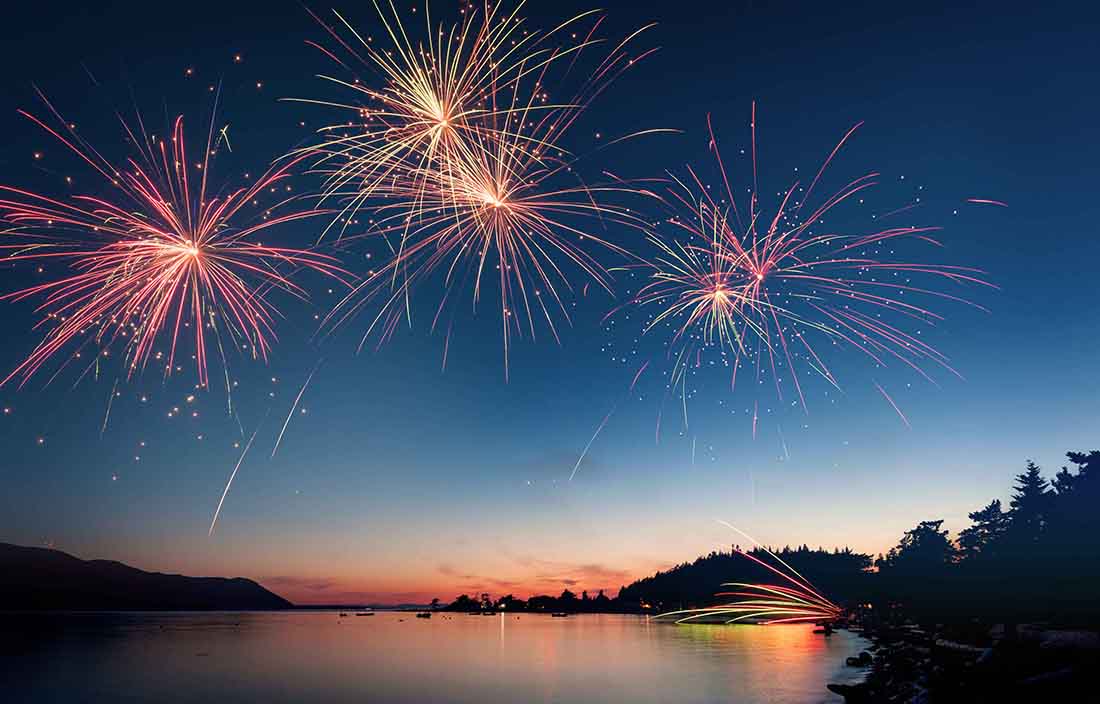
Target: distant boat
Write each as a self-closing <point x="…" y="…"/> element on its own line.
<point x="560" y="614"/>
<point x="424" y="614"/>
<point x="364" y="613"/>
<point x="488" y="613"/>
<point x="343" y="615"/>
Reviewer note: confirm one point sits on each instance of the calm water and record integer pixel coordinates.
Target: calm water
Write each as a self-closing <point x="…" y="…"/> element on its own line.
<point x="394" y="658"/>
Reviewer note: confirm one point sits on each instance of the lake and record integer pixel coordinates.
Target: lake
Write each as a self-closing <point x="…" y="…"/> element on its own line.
<point x="395" y="658"/>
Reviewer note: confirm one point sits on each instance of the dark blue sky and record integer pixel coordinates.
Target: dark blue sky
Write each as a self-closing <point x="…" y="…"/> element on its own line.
<point x="402" y="480"/>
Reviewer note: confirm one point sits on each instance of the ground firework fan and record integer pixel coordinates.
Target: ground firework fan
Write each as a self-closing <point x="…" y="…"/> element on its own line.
<point x="793" y="600"/>
<point x="157" y="257"/>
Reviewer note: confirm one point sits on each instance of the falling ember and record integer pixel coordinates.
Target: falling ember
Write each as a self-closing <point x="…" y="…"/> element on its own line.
<point x="892" y="404"/>
<point x="158" y="258"/>
<point x="591" y="440"/>
<point x="294" y="407"/>
<point x="107" y="413"/>
<point x="638" y="375"/>
<point x="232" y="476"/>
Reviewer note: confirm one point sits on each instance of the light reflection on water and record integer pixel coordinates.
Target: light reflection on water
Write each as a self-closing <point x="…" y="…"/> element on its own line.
<point x="393" y="658"/>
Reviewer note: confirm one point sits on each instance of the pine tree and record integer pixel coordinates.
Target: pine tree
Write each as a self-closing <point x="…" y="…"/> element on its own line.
<point x="1030" y="503"/>
<point x="981" y="538"/>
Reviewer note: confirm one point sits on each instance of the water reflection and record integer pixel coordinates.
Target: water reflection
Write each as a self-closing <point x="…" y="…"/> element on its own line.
<point x="394" y="658"/>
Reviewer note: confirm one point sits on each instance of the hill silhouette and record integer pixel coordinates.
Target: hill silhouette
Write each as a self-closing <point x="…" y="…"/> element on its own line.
<point x="38" y="579"/>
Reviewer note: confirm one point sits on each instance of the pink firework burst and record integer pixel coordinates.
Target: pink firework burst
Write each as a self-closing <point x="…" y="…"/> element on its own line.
<point x="156" y="259"/>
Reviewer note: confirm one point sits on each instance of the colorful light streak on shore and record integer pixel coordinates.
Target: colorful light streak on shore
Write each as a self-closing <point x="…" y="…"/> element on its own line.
<point x="157" y="256"/>
<point x="463" y="159"/>
<point x="794" y="600"/>
<point x="763" y="288"/>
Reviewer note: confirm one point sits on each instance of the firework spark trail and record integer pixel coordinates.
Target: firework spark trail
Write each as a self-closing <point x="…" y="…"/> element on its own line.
<point x="161" y="254"/>
<point x="294" y="407"/>
<point x="592" y="440"/>
<point x="233" y="475"/>
<point x="638" y="375"/>
<point x="758" y="286"/>
<point x="986" y="201"/>
<point x="614" y="407"/>
<point x="892" y="404"/>
<point x="461" y="149"/>
<point x="107" y="414"/>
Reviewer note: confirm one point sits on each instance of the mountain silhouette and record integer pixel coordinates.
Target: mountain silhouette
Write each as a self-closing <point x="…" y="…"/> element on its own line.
<point x="39" y="579"/>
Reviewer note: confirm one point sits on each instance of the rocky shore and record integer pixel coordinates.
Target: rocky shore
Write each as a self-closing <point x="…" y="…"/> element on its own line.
<point x="1026" y="663"/>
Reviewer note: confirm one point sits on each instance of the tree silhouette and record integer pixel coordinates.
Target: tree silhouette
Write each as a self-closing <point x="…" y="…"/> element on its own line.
<point x="601" y="602"/>
<point x="981" y="538"/>
<point x="463" y="602"/>
<point x="1030" y="505"/>
<point x="920" y="549"/>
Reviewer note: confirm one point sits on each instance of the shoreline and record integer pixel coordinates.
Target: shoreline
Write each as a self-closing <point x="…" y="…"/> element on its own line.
<point x="1026" y="663"/>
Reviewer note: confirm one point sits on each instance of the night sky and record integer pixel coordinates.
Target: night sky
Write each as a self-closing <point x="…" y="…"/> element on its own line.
<point x="400" y="481"/>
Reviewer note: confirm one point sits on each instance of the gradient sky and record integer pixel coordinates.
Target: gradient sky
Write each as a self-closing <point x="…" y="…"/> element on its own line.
<point x="403" y="482"/>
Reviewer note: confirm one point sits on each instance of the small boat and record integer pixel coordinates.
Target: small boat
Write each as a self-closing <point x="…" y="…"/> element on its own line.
<point x="488" y="613"/>
<point x="364" y="613"/>
<point x="424" y="614"/>
<point x="343" y="615"/>
<point x="560" y="614"/>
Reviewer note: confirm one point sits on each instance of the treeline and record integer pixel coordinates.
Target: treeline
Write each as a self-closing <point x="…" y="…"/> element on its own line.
<point x="567" y="602"/>
<point x="1039" y="558"/>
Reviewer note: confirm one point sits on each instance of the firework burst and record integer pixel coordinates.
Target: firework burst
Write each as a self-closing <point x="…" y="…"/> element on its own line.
<point x="157" y="259"/>
<point x="425" y="105"/>
<point x="464" y="159"/>
<point x="763" y="287"/>
<point x="433" y="95"/>
<point x="494" y="217"/>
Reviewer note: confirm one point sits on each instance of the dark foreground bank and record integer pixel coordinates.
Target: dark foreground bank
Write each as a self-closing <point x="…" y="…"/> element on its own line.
<point x="1025" y="663"/>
